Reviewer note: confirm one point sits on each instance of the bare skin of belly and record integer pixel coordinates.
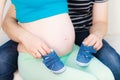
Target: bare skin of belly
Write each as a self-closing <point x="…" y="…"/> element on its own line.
<point x="56" y="31"/>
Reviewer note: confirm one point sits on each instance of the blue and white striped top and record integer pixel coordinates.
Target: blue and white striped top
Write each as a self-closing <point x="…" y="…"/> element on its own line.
<point x="80" y="12"/>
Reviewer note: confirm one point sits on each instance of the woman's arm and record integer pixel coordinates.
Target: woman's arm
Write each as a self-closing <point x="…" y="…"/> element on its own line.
<point x="2" y="5"/>
<point x="31" y="42"/>
<point x="99" y="27"/>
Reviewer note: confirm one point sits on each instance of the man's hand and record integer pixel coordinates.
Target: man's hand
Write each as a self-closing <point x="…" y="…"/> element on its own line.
<point x="94" y="40"/>
<point x="35" y="46"/>
<point x="99" y="28"/>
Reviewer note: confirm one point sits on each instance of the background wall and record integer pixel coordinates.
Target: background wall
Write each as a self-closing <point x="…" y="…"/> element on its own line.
<point x="3" y="37"/>
<point x="113" y="36"/>
<point x="114" y="17"/>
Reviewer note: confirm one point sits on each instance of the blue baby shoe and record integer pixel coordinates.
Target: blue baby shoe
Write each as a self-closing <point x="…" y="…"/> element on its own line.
<point x="53" y="62"/>
<point x="85" y="55"/>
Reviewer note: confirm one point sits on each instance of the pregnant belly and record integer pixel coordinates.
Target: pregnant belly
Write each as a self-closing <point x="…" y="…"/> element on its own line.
<point x="56" y="31"/>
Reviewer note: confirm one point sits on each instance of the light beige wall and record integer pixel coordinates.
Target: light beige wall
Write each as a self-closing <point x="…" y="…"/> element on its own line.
<point x="3" y="37"/>
<point x="114" y="17"/>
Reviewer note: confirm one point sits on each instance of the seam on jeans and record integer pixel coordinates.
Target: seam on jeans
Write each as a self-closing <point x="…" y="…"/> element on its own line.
<point x="9" y="63"/>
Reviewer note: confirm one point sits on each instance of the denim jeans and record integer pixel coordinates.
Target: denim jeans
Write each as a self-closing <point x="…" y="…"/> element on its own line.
<point x="107" y="55"/>
<point x="8" y="57"/>
<point x="8" y="60"/>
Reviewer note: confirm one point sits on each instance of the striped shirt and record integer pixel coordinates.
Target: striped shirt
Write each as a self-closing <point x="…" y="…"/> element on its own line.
<point x="80" y="12"/>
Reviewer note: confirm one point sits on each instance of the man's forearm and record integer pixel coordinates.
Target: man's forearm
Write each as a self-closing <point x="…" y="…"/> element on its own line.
<point x="100" y="19"/>
<point x="13" y="29"/>
<point x="100" y="29"/>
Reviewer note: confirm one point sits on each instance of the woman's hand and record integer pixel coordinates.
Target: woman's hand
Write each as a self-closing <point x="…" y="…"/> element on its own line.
<point x="35" y="46"/>
<point x="94" y="40"/>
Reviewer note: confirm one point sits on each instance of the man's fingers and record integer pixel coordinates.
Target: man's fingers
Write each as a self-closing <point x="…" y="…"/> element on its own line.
<point x="37" y="55"/>
<point x="93" y="42"/>
<point x="89" y="40"/>
<point x="97" y="46"/>
<point x="42" y="51"/>
<point x="33" y="54"/>
<point x="46" y="49"/>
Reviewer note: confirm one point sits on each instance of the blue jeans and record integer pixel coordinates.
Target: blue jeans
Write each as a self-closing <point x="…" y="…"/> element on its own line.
<point x="8" y="60"/>
<point x="107" y="55"/>
<point x="8" y="57"/>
